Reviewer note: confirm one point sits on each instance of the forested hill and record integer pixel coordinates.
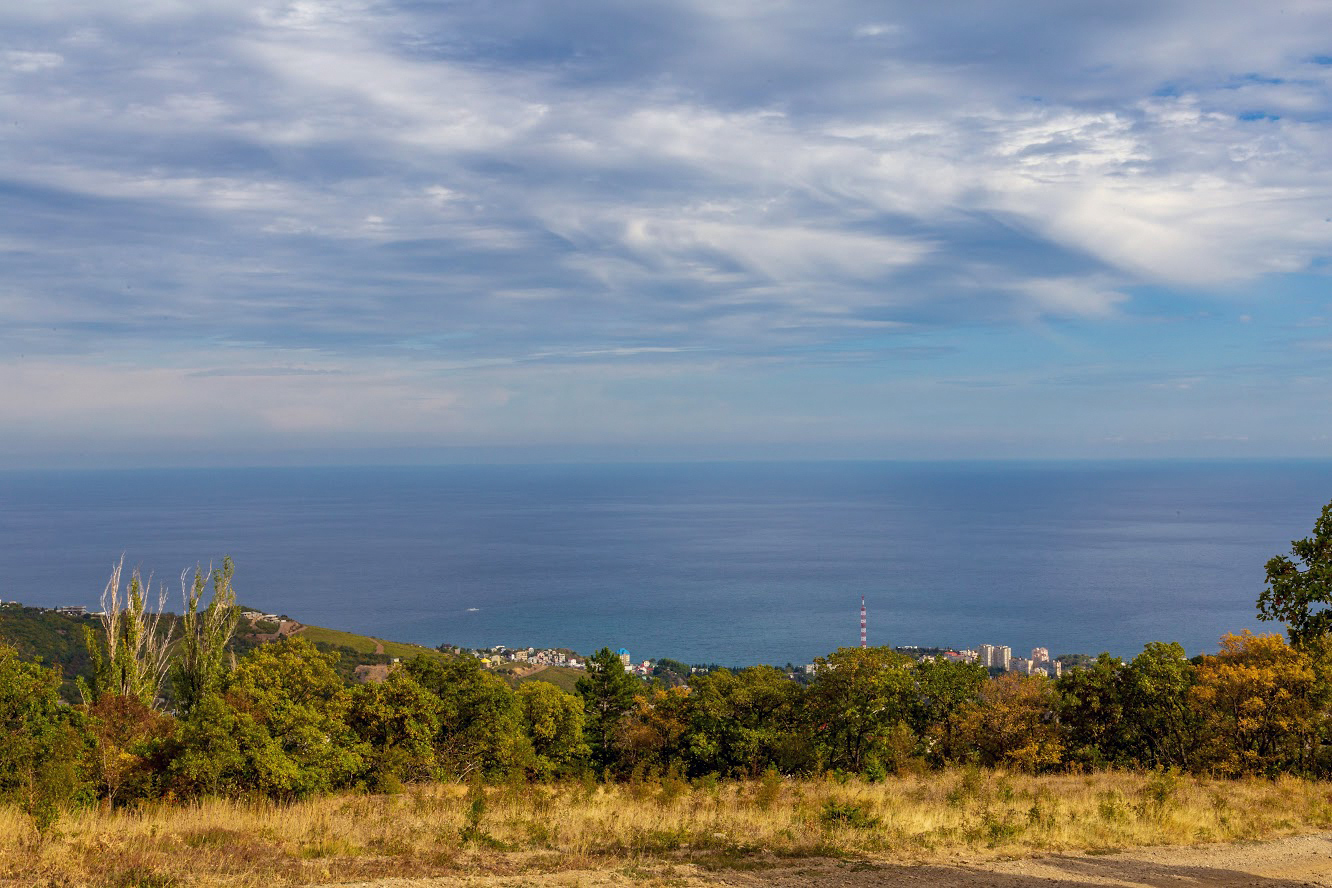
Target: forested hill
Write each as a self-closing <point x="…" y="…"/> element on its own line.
<point x="57" y="639"/>
<point x="53" y="638"/>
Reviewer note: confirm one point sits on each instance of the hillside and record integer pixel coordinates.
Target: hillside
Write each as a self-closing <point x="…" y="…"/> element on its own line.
<point x="364" y="645"/>
<point x="53" y="638"/>
<point x="561" y="676"/>
<point x="57" y="639"/>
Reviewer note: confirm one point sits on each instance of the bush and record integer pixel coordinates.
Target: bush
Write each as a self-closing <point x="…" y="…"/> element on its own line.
<point x="855" y="815"/>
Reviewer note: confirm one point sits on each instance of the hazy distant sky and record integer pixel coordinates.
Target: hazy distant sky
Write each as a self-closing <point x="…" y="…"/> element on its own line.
<point x="364" y="231"/>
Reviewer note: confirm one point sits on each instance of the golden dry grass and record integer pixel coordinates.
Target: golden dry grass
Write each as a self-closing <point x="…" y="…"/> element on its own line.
<point x="540" y="829"/>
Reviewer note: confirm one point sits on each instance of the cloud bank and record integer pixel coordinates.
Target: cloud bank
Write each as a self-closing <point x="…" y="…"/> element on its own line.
<point x="872" y="229"/>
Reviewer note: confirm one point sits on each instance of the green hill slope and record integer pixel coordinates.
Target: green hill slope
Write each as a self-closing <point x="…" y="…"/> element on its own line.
<point x="561" y="676"/>
<point x="55" y="639"/>
<point x="365" y="644"/>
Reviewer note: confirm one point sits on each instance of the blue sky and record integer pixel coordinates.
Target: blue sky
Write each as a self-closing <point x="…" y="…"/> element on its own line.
<point x="280" y="232"/>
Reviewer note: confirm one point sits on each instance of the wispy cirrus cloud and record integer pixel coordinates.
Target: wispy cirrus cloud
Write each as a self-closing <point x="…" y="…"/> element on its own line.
<point x="678" y="187"/>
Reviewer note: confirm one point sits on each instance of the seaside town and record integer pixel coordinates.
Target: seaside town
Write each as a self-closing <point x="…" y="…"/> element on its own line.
<point x="996" y="658"/>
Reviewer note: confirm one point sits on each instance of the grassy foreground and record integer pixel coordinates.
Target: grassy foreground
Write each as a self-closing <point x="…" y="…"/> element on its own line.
<point x="455" y="830"/>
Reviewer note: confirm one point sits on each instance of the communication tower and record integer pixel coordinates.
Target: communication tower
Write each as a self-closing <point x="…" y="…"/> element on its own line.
<point x="862" y="621"/>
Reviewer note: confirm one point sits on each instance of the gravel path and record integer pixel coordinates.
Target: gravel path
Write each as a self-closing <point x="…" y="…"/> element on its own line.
<point x="1282" y="863"/>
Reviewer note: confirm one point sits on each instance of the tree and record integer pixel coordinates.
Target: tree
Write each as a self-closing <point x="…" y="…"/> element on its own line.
<point x="131" y="657"/>
<point x="129" y="748"/>
<point x="944" y="689"/>
<point x="1134" y="715"/>
<point x="671" y="673"/>
<point x="648" y="736"/>
<point x="201" y="663"/>
<point x="1091" y="711"/>
<point x="1302" y="599"/>
<point x="608" y="693"/>
<point x="42" y="750"/>
<point x="398" y="720"/>
<point x="291" y="708"/>
<point x="1261" y="703"/>
<point x="214" y="745"/>
<point x="480" y="721"/>
<point x="857" y="699"/>
<point x="553" y="720"/>
<point x="1163" y="728"/>
<point x="1014" y="725"/>
<point x="742" y="723"/>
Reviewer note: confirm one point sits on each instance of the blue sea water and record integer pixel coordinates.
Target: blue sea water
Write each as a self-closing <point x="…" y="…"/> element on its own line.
<point x="729" y="563"/>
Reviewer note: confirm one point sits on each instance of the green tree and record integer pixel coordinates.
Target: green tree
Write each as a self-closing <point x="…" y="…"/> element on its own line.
<point x="857" y="699"/>
<point x="1302" y="598"/>
<point x="480" y="721"/>
<point x="1091" y="712"/>
<point x="553" y="720"/>
<point x="1163" y="728"/>
<point x="201" y="657"/>
<point x="214" y="750"/>
<point x="742" y="723"/>
<point x="608" y="693"/>
<point x="291" y="710"/>
<point x="671" y="673"/>
<point x="43" y="753"/>
<point x="398" y="720"/>
<point x="944" y="690"/>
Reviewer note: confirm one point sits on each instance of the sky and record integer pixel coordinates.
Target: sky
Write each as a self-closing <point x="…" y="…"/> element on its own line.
<point x="351" y="232"/>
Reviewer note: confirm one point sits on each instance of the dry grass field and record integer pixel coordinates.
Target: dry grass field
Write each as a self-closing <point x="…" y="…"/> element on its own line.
<point x="539" y="831"/>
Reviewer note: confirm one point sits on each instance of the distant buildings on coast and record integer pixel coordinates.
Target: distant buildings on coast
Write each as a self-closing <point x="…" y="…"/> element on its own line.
<point x="494" y="657"/>
<point x="996" y="658"/>
<point x="1000" y="658"/>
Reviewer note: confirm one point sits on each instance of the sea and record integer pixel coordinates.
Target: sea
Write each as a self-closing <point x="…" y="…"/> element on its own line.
<point x="726" y="563"/>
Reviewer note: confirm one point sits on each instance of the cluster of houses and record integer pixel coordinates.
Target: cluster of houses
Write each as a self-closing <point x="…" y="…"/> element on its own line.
<point x="254" y="617"/>
<point x="997" y="658"/>
<point x="642" y="670"/>
<point x="499" y="655"/>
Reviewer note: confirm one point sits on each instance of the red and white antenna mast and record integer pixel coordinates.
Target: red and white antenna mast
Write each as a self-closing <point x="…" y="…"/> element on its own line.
<point x="862" y="621"/>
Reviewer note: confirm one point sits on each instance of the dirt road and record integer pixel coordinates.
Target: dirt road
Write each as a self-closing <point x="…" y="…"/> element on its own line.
<point x="1283" y="863"/>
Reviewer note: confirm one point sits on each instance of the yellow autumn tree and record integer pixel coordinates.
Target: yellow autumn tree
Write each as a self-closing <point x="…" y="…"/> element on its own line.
<point x="1261" y="703"/>
<point x="648" y="738"/>
<point x="1013" y="724"/>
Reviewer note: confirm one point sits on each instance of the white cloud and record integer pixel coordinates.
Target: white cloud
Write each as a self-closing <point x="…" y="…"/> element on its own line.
<point x="1072" y="297"/>
<point x="877" y="30"/>
<point x="25" y="62"/>
<point x="596" y="189"/>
